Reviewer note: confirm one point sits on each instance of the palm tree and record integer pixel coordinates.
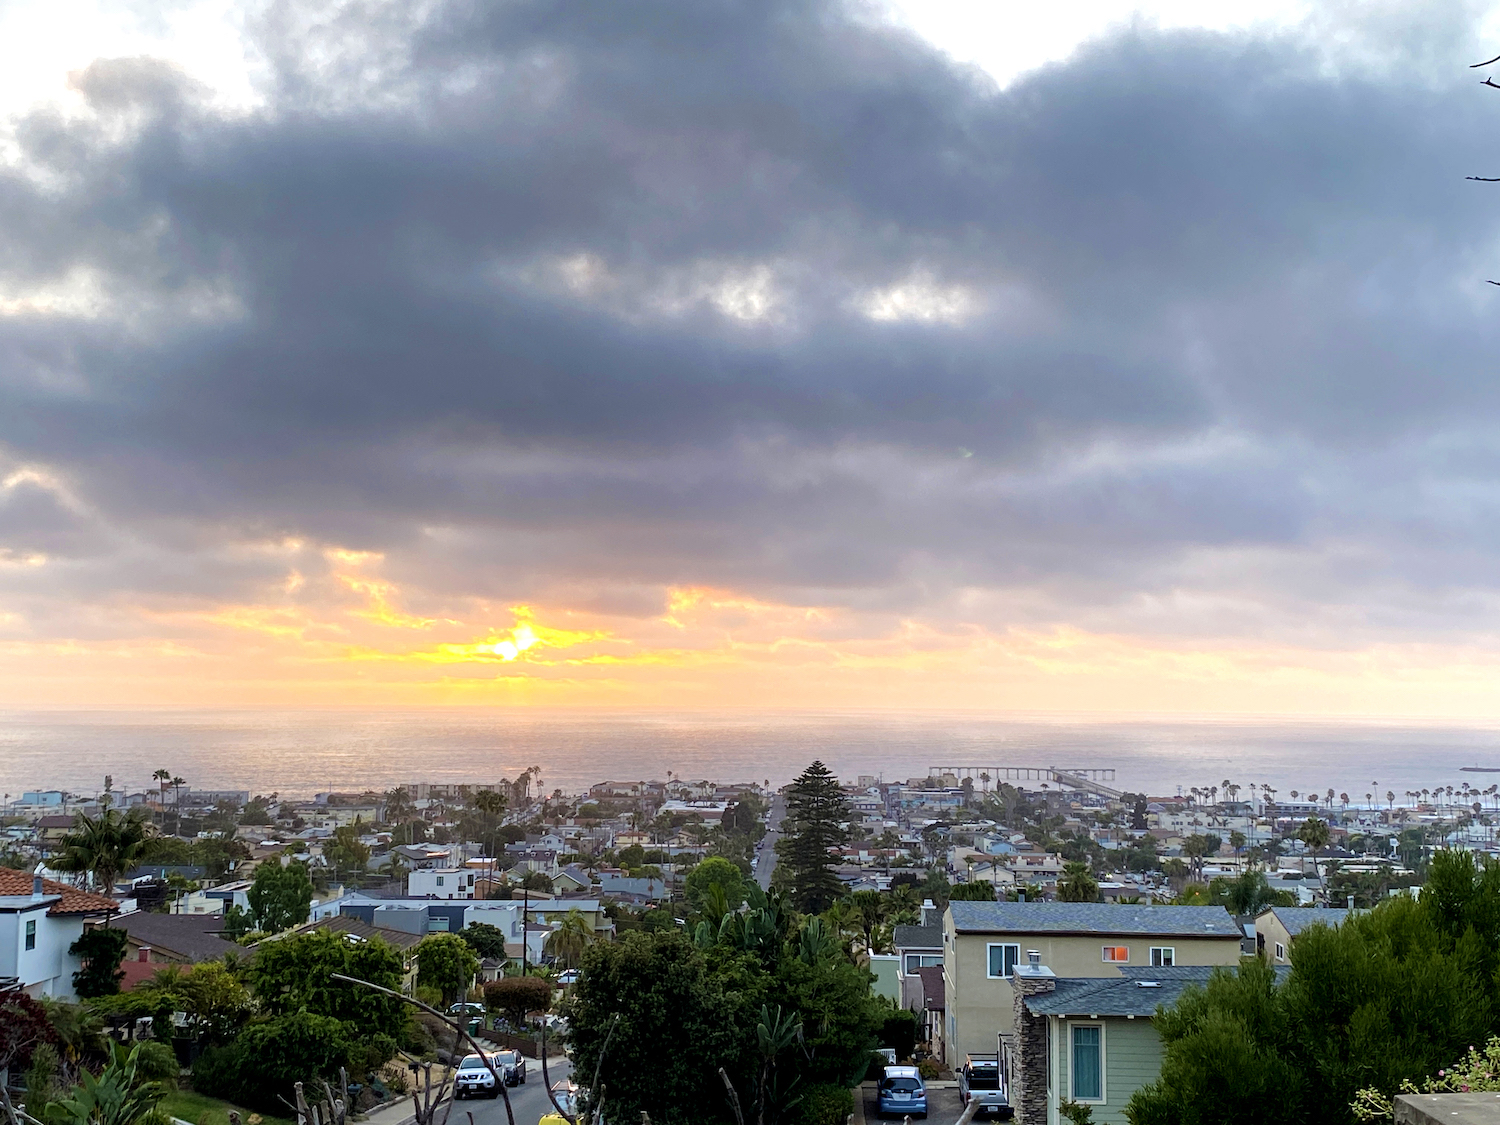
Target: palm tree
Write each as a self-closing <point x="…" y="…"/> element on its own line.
<point x="1314" y="833"/>
<point x="572" y="936"/>
<point x="104" y="846"/>
<point x="161" y="777"/>
<point x="177" y="783"/>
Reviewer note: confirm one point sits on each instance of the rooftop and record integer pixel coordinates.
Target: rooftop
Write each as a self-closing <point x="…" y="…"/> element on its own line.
<point x="196" y="937"/>
<point x="917" y="937"/>
<point x="1298" y="918"/>
<point x="70" y="899"/>
<point x="1092" y="918"/>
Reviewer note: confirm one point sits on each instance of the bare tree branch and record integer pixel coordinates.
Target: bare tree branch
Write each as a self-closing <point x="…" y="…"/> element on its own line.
<point x="1491" y="62"/>
<point x="1485" y="179"/>
<point x="1491" y="82"/>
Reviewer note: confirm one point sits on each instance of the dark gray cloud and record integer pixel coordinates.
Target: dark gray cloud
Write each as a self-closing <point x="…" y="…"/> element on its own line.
<point x="590" y="288"/>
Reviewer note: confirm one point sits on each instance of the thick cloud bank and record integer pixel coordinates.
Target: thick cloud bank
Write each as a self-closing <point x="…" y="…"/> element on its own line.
<point x="573" y="305"/>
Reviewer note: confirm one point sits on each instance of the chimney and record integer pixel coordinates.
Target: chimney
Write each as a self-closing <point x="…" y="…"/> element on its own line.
<point x="145" y="954"/>
<point x="1029" y="1095"/>
<point x="36" y="884"/>
<point x="1020" y="896"/>
<point x="1351" y="902"/>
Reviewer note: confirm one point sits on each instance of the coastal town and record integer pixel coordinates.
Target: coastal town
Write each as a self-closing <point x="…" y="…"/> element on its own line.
<point x="970" y="901"/>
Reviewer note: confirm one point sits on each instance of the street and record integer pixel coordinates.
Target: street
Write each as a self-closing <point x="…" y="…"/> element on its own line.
<point x="765" y="862"/>
<point x="529" y="1102"/>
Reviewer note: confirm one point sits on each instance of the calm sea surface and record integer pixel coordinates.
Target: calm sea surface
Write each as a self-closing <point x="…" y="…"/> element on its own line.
<point x="298" y="753"/>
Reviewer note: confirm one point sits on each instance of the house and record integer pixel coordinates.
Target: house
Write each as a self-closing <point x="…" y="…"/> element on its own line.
<point x="634" y="889"/>
<point x="918" y="947"/>
<point x="1088" y="1040"/>
<point x="571" y="878"/>
<point x="441" y="882"/>
<point x="983" y="942"/>
<point x="39" y="920"/>
<point x="157" y="940"/>
<point x="930" y="1003"/>
<point x="51" y="829"/>
<point x="1277" y="927"/>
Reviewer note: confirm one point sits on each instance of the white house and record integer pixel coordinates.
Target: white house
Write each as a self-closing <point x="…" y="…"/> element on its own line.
<point x="441" y="882"/>
<point x="39" y="920"/>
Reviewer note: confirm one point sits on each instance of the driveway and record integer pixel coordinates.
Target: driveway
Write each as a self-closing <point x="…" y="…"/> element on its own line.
<point x="943" y="1106"/>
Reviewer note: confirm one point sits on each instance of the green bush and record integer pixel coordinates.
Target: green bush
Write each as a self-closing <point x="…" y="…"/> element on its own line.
<point x="157" y="1062"/>
<point x="259" y="1069"/>
<point x="900" y="1032"/>
<point x="826" y="1104"/>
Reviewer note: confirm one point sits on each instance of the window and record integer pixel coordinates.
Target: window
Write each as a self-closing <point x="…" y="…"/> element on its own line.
<point x="1088" y="1062"/>
<point x="1280" y="952"/>
<point x="1163" y="956"/>
<point x="1003" y="960"/>
<point x="915" y="961"/>
<point x="1116" y="953"/>
<point x="440" y="880"/>
<point x="31" y="935"/>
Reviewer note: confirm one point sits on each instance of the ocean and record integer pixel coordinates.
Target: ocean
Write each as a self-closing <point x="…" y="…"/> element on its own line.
<point x="298" y="753"/>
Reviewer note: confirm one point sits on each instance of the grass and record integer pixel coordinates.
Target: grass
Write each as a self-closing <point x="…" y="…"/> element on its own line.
<point x="199" y="1109"/>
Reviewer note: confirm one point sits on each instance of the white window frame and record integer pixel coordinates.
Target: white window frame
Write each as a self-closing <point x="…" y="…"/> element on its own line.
<point x="988" y="959"/>
<point x="1280" y="952"/>
<point x="30" y="941"/>
<point x="1103" y="1097"/>
<point x="1106" y="950"/>
<point x="908" y="970"/>
<point x="1163" y="956"/>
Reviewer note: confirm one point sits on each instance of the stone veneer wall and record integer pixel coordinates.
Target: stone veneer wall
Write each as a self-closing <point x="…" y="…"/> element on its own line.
<point x="1029" y="1096"/>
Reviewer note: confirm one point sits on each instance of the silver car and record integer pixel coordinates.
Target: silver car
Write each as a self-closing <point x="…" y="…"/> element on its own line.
<point x="474" y="1079"/>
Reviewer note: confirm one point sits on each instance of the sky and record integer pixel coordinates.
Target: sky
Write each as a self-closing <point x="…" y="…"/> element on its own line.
<point x="779" y="355"/>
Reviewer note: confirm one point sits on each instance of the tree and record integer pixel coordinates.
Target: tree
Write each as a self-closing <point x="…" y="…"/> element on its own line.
<point x="1196" y="847"/>
<point x="715" y="872"/>
<point x="104" y="846"/>
<point x="972" y="892"/>
<point x="814" y="824"/>
<point x="99" y="952"/>
<point x="445" y="962"/>
<point x="1314" y="833"/>
<point x="1077" y="884"/>
<point x="490" y="804"/>
<point x="23" y="1028"/>
<point x="517" y="997"/>
<point x="344" y="852"/>
<point x="572" y="936"/>
<point x="487" y="941"/>
<point x="670" y="1023"/>
<point x="295" y="973"/>
<point x="280" y="896"/>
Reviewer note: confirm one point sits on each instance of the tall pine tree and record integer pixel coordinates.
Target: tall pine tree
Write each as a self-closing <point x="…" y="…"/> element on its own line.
<point x="816" y="810"/>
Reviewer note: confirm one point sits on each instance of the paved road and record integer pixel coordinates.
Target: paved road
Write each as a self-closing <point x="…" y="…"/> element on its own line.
<point x="528" y="1102"/>
<point x="765" y="863"/>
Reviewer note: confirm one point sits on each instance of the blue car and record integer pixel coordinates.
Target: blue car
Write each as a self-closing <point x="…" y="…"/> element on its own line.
<point x="902" y="1092"/>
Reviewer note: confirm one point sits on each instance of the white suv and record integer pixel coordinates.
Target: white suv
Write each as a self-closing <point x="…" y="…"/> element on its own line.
<point x="474" y="1079"/>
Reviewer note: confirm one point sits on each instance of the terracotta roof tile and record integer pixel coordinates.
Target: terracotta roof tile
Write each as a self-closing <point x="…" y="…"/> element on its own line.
<point x="74" y="901"/>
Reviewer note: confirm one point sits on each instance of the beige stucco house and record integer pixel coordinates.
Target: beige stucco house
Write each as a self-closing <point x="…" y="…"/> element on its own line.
<point x="1277" y="927"/>
<point x="984" y="941"/>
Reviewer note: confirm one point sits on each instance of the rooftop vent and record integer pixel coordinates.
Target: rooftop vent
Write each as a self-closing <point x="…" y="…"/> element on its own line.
<point x="1148" y="984"/>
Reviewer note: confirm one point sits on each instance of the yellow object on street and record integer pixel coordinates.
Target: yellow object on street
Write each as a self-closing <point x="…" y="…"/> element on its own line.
<point x="553" y="1119"/>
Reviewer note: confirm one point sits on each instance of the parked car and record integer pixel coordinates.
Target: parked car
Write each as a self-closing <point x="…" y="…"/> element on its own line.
<point x="473" y="1079"/>
<point x="466" y="1009"/>
<point x="980" y="1079"/>
<point x="902" y="1092"/>
<point x="567" y="977"/>
<point x="512" y="1066"/>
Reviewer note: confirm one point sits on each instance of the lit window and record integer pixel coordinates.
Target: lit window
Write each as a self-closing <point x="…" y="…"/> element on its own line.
<point x="1088" y="1063"/>
<point x="1003" y="960"/>
<point x="31" y="935"/>
<point x="1163" y="956"/>
<point x="1117" y="953"/>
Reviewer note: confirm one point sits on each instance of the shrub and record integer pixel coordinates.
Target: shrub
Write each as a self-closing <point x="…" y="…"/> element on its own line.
<point x="157" y="1062"/>
<point x="900" y="1032"/>
<point x="825" y="1104"/>
<point x="517" y="996"/>
<point x="928" y="1070"/>
<point x="262" y="1065"/>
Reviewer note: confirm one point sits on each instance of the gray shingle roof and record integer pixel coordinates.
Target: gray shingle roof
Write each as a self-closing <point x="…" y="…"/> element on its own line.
<point x="1115" y="996"/>
<point x="197" y="937"/>
<point x="917" y="937"/>
<point x="1092" y="918"/>
<point x="1298" y="918"/>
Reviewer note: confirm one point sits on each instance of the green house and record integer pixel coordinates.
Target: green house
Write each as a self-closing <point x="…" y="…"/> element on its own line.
<point x="1101" y="1045"/>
